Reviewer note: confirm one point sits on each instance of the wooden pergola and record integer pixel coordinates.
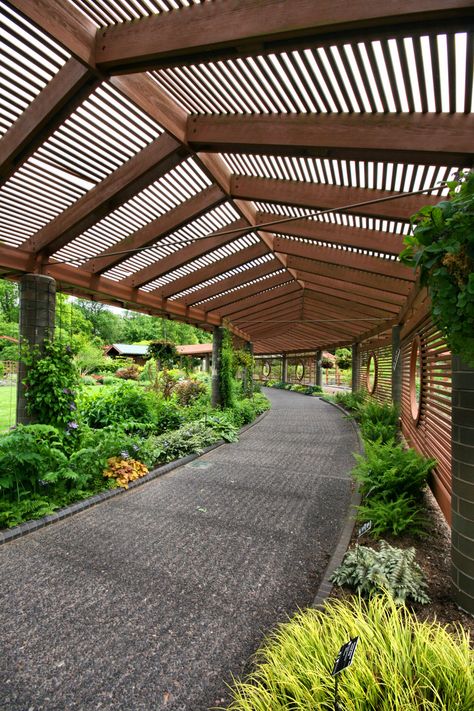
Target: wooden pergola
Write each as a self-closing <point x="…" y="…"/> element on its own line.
<point x="145" y="142"/>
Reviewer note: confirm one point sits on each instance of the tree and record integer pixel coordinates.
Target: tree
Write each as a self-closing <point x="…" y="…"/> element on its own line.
<point x="9" y="301"/>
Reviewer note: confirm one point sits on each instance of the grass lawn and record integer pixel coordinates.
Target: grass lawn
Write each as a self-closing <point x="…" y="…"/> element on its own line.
<point x="7" y="406"/>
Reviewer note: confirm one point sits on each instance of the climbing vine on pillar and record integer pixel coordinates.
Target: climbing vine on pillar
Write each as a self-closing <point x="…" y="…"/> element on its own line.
<point x="51" y="381"/>
<point x="226" y="380"/>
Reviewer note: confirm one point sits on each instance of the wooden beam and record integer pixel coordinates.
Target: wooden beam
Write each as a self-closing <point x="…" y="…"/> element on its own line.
<point x="319" y="196"/>
<point x="284" y="301"/>
<point x="231" y="282"/>
<point x="186" y="254"/>
<point x="331" y="255"/>
<point x="356" y="304"/>
<point x="372" y="240"/>
<point x="267" y="312"/>
<point x="157" y="229"/>
<point x="66" y="90"/>
<point x="136" y="174"/>
<point x="247" y="291"/>
<point x="232" y="310"/>
<point x="204" y="273"/>
<point x="18" y="261"/>
<point x="64" y="23"/>
<point x="200" y="32"/>
<point x="354" y="290"/>
<point x="380" y="137"/>
<point x="350" y="275"/>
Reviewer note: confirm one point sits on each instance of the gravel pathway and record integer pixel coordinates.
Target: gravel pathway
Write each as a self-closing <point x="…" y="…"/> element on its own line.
<point x="154" y="599"/>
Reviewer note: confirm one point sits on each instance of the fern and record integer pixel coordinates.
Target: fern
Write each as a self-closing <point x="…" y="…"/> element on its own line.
<point x="395" y="517"/>
<point x="390" y="569"/>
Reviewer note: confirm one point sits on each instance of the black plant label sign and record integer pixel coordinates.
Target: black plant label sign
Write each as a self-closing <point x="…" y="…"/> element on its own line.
<point x="344" y="658"/>
<point x="365" y="528"/>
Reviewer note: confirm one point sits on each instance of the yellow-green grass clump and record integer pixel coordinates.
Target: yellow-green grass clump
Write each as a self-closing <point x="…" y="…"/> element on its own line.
<point x="400" y="664"/>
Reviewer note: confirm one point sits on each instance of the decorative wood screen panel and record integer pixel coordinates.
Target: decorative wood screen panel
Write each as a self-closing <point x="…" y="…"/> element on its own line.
<point x="431" y="434"/>
<point x="302" y="369"/>
<point x="381" y="352"/>
<point x="268" y="368"/>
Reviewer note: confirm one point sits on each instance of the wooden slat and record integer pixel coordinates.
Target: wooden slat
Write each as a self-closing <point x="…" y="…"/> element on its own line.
<point x="233" y="310"/>
<point x="354" y="291"/>
<point x="381" y="137"/>
<point x="145" y="167"/>
<point x="243" y="26"/>
<point x="54" y="103"/>
<point x="320" y="196"/>
<point x="240" y="295"/>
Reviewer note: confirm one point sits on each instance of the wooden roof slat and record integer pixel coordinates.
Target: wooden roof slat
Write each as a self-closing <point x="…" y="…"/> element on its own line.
<point x="241" y="294"/>
<point x="357" y="292"/>
<point x="232" y="310"/>
<point x="200" y="275"/>
<point x="395" y="137"/>
<point x="156" y="229"/>
<point x="145" y="167"/>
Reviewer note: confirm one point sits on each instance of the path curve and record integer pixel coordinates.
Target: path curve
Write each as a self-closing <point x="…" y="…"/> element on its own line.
<point x="152" y="600"/>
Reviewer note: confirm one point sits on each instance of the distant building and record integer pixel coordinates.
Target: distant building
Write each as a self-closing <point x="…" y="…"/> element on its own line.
<point x="139" y="354"/>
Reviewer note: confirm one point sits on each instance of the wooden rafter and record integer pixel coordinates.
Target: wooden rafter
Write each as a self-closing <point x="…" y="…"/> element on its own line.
<point x="232" y="310"/>
<point x="248" y="290"/>
<point x="324" y="197"/>
<point x="157" y="229"/>
<point x="148" y="165"/>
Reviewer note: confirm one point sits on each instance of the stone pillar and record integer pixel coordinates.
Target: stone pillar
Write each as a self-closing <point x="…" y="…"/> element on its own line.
<point x="462" y="497"/>
<point x="218" y="334"/>
<point x="37" y="311"/>
<point x="318" y="376"/>
<point x="355" y="367"/>
<point x="396" y="367"/>
<point x="207" y="363"/>
<point x="284" y="368"/>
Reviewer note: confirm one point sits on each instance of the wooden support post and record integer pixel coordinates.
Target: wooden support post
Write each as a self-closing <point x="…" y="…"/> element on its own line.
<point x="37" y="312"/>
<point x="207" y="363"/>
<point x="216" y="399"/>
<point x="462" y="496"/>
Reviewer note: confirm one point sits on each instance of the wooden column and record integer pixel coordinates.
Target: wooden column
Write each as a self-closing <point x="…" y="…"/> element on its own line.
<point x="462" y="496"/>
<point x="216" y="399"/>
<point x="207" y="363"/>
<point x="37" y="312"/>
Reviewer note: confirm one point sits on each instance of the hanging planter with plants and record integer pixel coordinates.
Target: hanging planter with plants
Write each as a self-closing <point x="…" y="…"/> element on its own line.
<point x="442" y="248"/>
<point x="163" y="352"/>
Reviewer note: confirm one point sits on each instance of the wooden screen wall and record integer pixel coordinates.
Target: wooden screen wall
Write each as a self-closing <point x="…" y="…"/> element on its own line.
<point x="268" y="368"/>
<point x="431" y="434"/>
<point x="381" y="353"/>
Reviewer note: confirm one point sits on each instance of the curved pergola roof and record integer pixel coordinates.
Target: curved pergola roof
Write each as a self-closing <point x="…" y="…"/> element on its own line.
<point x="146" y="142"/>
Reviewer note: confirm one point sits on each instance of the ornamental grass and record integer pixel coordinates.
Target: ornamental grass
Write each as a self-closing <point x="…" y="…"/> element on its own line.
<point x="400" y="664"/>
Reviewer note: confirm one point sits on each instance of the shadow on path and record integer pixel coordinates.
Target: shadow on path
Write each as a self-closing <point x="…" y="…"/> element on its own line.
<point x="152" y="600"/>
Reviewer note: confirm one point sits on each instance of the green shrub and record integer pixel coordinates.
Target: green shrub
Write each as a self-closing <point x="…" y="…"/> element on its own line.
<point x="390" y="570"/>
<point x="378" y="422"/>
<point x="378" y="432"/>
<point x="110" y="380"/>
<point x="114" y="405"/>
<point x="222" y="424"/>
<point x="166" y="415"/>
<point x="88" y="380"/>
<point x="130" y="372"/>
<point x="400" y="663"/>
<point x="186" y="391"/>
<point x="386" y="471"/>
<point x="401" y="515"/>
<point x="192" y="438"/>
<point x="351" y="401"/>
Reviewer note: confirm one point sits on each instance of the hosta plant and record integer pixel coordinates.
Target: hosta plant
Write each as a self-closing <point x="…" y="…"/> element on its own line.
<point x="389" y="569"/>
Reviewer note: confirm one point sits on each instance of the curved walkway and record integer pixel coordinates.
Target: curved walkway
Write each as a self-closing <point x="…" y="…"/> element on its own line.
<point x="154" y="599"/>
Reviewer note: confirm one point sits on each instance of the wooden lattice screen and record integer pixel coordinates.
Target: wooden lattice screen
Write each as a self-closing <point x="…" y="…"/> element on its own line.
<point x="431" y="434"/>
<point x="381" y="352"/>
<point x="268" y="368"/>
